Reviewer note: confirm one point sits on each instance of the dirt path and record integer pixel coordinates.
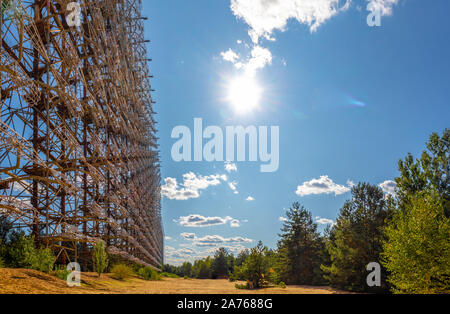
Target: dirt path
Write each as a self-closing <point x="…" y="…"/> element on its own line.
<point x="21" y="281"/>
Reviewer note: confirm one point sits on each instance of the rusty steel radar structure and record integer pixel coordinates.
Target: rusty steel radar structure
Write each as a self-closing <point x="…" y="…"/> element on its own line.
<point x="79" y="159"/>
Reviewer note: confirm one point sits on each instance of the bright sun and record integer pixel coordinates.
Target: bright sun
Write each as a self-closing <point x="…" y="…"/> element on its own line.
<point x="244" y="93"/>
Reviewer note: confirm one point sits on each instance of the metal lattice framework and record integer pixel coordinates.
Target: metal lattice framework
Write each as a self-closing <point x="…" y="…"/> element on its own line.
<point x="78" y="149"/>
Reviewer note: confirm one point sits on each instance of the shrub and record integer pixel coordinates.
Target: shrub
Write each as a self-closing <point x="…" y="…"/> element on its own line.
<point x="148" y="273"/>
<point x="21" y="253"/>
<point x="43" y="260"/>
<point x="186" y="277"/>
<point x="167" y="275"/>
<point x="62" y="273"/>
<point x="242" y="286"/>
<point x="2" y="263"/>
<point x="100" y="258"/>
<point x="121" y="271"/>
<point x="282" y="285"/>
<point x="144" y="274"/>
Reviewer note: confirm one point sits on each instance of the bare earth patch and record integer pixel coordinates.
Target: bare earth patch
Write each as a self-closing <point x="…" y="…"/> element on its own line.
<point x="23" y="281"/>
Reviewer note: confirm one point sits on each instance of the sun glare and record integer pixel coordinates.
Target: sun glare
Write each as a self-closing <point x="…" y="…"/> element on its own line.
<point x="244" y="93"/>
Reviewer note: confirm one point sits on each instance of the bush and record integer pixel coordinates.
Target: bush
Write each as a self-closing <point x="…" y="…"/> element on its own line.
<point x="21" y="253"/>
<point x="282" y="285"/>
<point x="2" y="263"/>
<point x="167" y="275"/>
<point x="43" y="260"/>
<point x="242" y="286"/>
<point x="121" y="272"/>
<point x="148" y="273"/>
<point x="100" y="258"/>
<point x="62" y="273"/>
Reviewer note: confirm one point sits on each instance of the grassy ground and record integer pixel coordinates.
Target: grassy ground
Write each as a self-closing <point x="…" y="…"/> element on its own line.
<point x="22" y="281"/>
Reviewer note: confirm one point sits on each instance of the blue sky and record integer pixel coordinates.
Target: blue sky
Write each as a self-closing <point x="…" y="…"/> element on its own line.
<point x="350" y="101"/>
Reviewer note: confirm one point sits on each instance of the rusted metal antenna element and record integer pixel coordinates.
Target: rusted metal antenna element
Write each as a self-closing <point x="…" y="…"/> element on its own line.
<point x="79" y="158"/>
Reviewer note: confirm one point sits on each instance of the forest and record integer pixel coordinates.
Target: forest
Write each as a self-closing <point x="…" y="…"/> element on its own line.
<point x="407" y="234"/>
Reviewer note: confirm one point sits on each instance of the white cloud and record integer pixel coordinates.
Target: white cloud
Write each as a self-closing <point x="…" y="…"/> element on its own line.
<point x="235" y="223"/>
<point x="324" y="221"/>
<point x="323" y="185"/>
<point x="215" y="240"/>
<point x="233" y="187"/>
<point x="230" y="56"/>
<point x="176" y="256"/>
<point x="188" y="236"/>
<point x="266" y="16"/>
<point x="198" y="221"/>
<point x="186" y="251"/>
<point x="230" y="167"/>
<point x="282" y="219"/>
<point x="18" y="189"/>
<point x="168" y="238"/>
<point x="383" y="6"/>
<point x="260" y="57"/>
<point x="388" y="187"/>
<point x="191" y="186"/>
<point x="250" y="199"/>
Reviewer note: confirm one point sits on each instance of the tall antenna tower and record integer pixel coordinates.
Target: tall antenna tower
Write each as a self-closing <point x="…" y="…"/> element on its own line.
<point x="79" y="159"/>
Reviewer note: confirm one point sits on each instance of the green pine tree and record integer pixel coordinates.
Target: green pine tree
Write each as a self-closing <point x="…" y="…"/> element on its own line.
<point x="300" y="249"/>
<point x="219" y="265"/>
<point x="256" y="268"/>
<point x="356" y="239"/>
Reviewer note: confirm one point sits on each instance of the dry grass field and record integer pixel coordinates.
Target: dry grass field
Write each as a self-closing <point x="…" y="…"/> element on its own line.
<point x="23" y="281"/>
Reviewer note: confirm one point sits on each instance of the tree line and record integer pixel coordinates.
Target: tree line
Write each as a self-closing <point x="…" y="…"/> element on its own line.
<point x="407" y="234"/>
